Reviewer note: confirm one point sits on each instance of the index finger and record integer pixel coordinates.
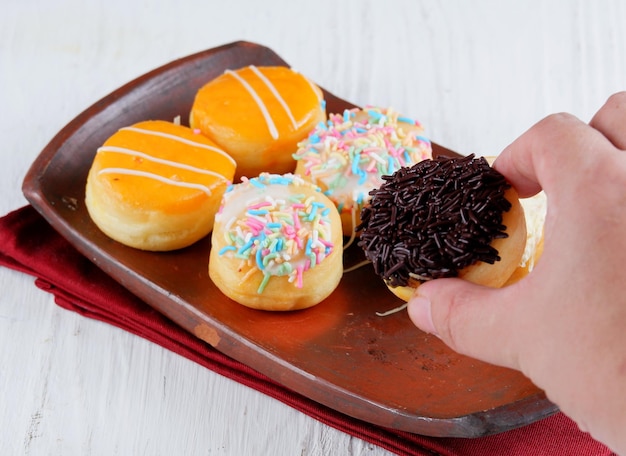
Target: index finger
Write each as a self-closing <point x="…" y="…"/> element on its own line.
<point x="549" y="154"/>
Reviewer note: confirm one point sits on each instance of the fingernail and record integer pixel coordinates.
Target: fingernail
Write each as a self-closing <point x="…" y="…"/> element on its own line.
<point x="421" y="314"/>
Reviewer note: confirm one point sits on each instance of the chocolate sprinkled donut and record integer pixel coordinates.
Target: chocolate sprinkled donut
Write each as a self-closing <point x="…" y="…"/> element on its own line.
<point x="433" y="219"/>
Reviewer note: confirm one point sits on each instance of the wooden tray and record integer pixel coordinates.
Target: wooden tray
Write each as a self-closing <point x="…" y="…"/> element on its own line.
<point x="339" y="353"/>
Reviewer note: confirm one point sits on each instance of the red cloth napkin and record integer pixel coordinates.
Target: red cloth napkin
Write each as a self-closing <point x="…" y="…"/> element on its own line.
<point x="30" y="245"/>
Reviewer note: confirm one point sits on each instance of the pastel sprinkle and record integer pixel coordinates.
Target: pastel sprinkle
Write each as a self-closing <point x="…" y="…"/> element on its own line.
<point x="296" y="221"/>
<point x="257" y="183"/>
<point x="264" y="282"/>
<point x="257" y="211"/>
<point x="227" y="248"/>
<point x="299" y="272"/>
<point x="407" y="120"/>
<point x="259" y="259"/>
<point x="259" y="205"/>
<point x="245" y="247"/>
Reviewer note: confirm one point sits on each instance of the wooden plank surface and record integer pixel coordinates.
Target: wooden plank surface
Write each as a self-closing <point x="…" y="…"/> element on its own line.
<point x="477" y="74"/>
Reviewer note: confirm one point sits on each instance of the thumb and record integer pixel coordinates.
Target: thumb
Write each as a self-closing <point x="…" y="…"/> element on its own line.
<point x="473" y="320"/>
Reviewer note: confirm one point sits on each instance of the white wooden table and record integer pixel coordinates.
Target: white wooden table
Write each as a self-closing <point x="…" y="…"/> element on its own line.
<point x="477" y="74"/>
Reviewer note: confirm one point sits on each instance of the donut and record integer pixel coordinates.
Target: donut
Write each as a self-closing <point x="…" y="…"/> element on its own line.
<point x="348" y="155"/>
<point x="276" y="244"/>
<point x="258" y="115"/>
<point x="443" y="217"/>
<point x="535" y="209"/>
<point x="156" y="185"/>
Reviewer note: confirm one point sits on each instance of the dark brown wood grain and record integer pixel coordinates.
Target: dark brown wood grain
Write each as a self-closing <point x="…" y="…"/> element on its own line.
<point x="340" y="353"/>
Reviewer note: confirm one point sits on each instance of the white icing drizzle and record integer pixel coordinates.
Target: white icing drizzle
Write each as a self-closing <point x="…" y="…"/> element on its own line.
<point x="276" y="94"/>
<point x="157" y="177"/>
<point x="135" y="153"/>
<point x="182" y="140"/>
<point x="268" y="119"/>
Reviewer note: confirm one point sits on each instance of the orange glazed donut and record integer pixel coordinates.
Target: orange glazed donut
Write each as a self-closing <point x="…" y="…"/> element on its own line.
<point x="277" y="244"/>
<point x="258" y="115"/>
<point x="157" y="186"/>
<point x="445" y="217"/>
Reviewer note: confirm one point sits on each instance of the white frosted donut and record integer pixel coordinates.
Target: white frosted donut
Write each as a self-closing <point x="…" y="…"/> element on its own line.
<point x="347" y="155"/>
<point x="276" y="244"/>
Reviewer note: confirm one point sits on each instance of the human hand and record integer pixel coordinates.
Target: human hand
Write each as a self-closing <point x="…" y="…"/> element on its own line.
<point x="563" y="325"/>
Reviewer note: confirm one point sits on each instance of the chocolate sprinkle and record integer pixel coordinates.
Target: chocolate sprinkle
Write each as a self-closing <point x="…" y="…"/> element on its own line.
<point x="433" y="219"/>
